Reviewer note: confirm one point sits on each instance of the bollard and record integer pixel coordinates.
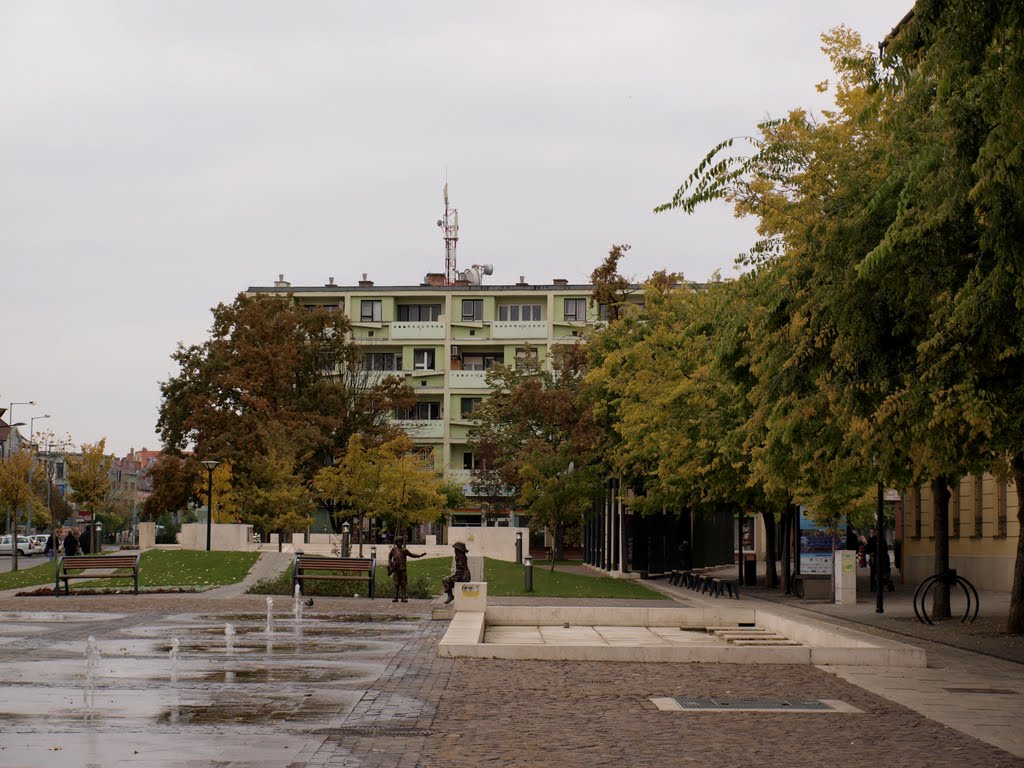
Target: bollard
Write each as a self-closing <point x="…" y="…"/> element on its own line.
<point x="529" y="573"/>
<point x="519" y="547"/>
<point x="345" y="528"/>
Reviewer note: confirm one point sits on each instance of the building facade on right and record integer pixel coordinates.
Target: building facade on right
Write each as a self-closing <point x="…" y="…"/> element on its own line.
<point x="983" y="532"/>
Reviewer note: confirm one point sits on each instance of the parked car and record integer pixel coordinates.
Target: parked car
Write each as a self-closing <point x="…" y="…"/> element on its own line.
<point x="26" y="548"/>
<point x="40" y="539"/>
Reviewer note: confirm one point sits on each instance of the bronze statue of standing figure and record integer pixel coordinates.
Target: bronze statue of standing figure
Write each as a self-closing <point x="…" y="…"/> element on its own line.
<point x="398" y="569"/>
<point x="461" y="572"/>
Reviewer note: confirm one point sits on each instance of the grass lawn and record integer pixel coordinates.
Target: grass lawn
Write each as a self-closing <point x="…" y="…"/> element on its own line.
<point x="31" y="573"/>
<point x="503" y="578"/>
<point x="183" y="568"/>
<point x="157" y="568"/>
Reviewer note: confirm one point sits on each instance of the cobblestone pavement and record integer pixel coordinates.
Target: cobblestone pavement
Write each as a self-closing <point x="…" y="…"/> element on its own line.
<point x="360" y="684"/>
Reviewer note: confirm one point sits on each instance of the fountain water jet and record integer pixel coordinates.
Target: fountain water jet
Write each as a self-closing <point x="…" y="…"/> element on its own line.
<point x="270" y="615"/>
<point x="175" y="645"/>
<point x="297" y="604"/>
<point x="92" y="662"/>
<point x="229" y="635"/>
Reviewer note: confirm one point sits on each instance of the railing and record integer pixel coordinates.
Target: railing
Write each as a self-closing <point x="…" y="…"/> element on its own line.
<point x="411" y="330"/>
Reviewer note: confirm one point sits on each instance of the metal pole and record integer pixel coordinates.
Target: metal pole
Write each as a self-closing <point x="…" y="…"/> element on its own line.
<point x="209" y="509"/>
<point x="739" y="545"/>
<point x="879" y="543"/>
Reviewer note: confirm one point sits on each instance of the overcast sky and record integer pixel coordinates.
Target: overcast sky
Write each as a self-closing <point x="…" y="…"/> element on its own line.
<point x="158" y="157"/>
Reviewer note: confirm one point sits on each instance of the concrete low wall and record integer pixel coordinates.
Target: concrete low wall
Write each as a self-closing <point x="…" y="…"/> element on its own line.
<point x="147" y="536"/>
<point x="823" y="644"/>
<point x="224" y="537"/>
<point x="498" y="543"/>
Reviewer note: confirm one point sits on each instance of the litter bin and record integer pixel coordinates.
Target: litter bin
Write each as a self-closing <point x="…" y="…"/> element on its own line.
<point x="750" y="572"/>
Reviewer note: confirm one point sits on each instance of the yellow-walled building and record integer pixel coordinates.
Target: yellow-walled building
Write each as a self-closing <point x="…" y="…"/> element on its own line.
<point x="983" y="532"/>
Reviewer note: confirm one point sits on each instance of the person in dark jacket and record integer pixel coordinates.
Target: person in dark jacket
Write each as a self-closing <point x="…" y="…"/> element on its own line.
<point x="461" y="572"/>
<point x="52" y="544"/>
<point x="71" y="543"/>
<point x="85" y="540"/>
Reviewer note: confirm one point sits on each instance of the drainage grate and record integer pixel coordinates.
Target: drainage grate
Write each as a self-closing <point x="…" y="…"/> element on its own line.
<point x="766" y="704"/>
<point x="378" y="730"/>
<point x="1001" y="691"/>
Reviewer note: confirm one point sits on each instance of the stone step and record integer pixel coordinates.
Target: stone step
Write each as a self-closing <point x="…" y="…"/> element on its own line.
<point x="764" y="642"/>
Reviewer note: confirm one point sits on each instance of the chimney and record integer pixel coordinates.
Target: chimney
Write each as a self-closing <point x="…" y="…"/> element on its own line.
<point x="330" y="282"/>
<point x="364" y="283"/>
<point x="560" y="282"/>
<point x="281" y="282"/>
<point x="434" y="278"/>
<point x="522" y="280"/>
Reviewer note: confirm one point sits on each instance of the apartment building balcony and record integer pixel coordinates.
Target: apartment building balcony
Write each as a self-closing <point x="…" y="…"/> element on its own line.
<point x="417" y="330"/>
<point x="519" y="329"/>
<point x="467" y="379"/>
<point x="422" y="429"/>
<point x="461" y="476"/>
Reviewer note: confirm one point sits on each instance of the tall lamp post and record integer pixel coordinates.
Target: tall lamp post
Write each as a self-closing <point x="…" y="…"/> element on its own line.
<point x="10" y="420"/>
<point x="210" y="464"/>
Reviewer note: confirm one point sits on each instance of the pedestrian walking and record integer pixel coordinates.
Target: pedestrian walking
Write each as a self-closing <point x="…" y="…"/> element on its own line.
<point x="71" y="543"/>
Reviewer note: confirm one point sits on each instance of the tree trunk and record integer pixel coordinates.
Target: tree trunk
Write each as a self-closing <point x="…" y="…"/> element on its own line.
<point x="771" y="576"/>
<point x="940" y="522"/>
<point x="559" y="548"/>
<point x="1015" y="621"/>
<point x="787" y="532"/>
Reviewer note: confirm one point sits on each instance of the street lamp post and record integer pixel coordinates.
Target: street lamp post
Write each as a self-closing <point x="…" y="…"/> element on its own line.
<point x="210" y="464"/>
<point x="10" y="420"/>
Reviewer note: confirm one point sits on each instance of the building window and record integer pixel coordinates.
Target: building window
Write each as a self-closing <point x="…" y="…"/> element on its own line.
<point x="979" y="505"/>
<point x="423" y="359"/>
<point x="954" y="510"/>
<point x="425" y="454"/>
<point x="419" y="313"/>
<point x="515" y="312"/>
<point x="469" y="460"/>
<point x="526" y="358"/>
<point x="420" y="412"/>
<point x="482" y="362"/>
<point x="60" y="470"/>
<point x="472" y="309"/>
<point x="470" y="405"/>
<point x="917" y="512"/>
<point x="382" y="361"/>
<point x="370" y="310"/>
<point x="576" y="309"/>
<point x="1001" y="509"/>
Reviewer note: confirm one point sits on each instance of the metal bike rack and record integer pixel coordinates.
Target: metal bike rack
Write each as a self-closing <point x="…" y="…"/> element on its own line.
<point x="950" y="578"/>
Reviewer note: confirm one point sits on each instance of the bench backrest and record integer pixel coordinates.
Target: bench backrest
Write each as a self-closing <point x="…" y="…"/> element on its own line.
<point x="100" y="561"/>
<point x="312" y="563"/>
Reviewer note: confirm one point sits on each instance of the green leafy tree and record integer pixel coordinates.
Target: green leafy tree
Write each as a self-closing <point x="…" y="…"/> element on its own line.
<point x="269" y="367"/>
<point x="537" y="439"/>
<point x="89" y="477"/>
<point x="275" y="499"/>
<point x="226" y="507"/>
<point x="175" y="480"/>
<point x="16" y="492"/>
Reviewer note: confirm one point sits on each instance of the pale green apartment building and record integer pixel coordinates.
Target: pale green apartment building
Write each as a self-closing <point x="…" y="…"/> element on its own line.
<point x="443" y="338"/>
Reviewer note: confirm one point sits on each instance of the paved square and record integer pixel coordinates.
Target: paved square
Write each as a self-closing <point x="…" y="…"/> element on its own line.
<point x="360" y="684"/>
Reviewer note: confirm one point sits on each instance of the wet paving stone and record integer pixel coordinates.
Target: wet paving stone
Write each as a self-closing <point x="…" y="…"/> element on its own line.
<point x="380" y="697"/>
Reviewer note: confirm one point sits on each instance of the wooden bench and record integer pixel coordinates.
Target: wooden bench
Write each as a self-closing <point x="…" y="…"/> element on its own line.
<point x="338" y="567"/>
<point x="88" y="563"/>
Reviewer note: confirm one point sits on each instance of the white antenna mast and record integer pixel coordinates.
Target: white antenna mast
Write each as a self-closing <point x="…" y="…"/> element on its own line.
<point x="450" y="227"/>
